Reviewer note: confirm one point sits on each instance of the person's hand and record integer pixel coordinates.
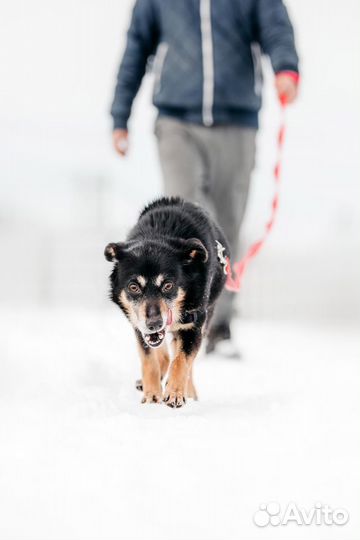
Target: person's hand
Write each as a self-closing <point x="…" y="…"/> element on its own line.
<point x="121" y="141"/>
<point x="286" y="85"/>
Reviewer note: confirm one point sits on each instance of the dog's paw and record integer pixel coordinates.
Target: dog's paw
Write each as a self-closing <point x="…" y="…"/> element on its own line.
<point x="139" y="385"/>
<point x="150" y="397"/>
<point x="174" y="399"/>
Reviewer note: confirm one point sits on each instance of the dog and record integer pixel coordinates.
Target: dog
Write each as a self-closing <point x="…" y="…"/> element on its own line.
<point x="167" y="277"/>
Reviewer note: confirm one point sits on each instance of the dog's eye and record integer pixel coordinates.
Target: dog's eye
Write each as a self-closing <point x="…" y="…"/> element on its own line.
<point x="167" y="286"/>
<point x="134" y="288"/>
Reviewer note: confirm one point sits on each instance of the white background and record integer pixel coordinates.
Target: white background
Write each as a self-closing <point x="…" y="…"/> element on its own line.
<point x="80" y="458"/>
<point x="64" y="193"/>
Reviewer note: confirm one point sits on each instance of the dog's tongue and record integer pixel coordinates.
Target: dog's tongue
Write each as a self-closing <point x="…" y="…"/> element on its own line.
<point x="169" y="318"/>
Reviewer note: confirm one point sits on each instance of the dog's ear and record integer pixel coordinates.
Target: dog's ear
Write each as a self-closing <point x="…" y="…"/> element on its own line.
<point x="194" y="250"/>
<point x="113" y="252"/>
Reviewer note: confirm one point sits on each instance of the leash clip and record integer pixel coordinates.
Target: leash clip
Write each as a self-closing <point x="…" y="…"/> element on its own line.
<point x="220" y="255"/>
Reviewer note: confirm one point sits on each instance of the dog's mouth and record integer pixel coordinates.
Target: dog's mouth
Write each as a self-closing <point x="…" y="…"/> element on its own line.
<point x="155" y="339"/>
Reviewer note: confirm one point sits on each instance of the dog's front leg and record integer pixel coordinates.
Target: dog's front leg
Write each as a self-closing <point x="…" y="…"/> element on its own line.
<point x="187" y="344"/>
<point x="164" y="361"/>
<point x="151" y="373"/>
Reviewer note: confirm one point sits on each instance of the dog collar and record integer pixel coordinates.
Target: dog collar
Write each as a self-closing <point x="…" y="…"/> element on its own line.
<point x="188" y="318"/>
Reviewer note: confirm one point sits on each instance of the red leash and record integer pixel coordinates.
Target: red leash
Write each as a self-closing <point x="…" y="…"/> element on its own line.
<point x="236" y="273"/>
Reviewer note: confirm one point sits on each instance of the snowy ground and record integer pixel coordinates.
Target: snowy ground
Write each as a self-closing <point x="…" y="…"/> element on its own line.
<point x="82" y="459"/>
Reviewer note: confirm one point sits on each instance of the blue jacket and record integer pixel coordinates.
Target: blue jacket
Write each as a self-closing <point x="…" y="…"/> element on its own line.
<point x="207" y="58"/>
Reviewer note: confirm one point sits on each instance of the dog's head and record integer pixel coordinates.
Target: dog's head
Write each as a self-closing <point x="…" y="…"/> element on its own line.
<point x="149" y="280"/>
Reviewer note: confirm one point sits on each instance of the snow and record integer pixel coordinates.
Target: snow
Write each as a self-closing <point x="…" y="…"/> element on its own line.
<point x="82" y="459"/>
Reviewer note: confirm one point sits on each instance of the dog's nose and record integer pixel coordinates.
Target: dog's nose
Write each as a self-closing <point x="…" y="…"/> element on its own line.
<point x="154" y="324"/>
<point x="154" y="320"/>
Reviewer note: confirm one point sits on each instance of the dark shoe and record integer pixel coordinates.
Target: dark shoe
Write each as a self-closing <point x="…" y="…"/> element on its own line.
<point x="217" y="333"/>
<point x="219" y="342"/>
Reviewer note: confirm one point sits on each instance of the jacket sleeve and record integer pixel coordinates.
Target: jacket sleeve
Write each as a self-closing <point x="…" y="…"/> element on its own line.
<point x="141" y="43"/>
<point x="276" y="35"/>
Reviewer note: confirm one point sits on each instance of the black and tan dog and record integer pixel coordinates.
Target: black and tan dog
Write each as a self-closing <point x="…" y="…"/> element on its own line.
<point x="167" y="277"/>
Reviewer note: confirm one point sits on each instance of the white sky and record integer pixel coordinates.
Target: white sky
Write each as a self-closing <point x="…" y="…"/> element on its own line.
<point x="58" y="65"/>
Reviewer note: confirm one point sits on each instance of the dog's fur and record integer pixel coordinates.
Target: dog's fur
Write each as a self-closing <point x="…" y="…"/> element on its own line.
<point x="167" y="276"/>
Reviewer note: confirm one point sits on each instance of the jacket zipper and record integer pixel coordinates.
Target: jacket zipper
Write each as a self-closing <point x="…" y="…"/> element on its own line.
<point x="208" y="62"/>
<point x="256" y="56"/>
<point x="159" y="64"/>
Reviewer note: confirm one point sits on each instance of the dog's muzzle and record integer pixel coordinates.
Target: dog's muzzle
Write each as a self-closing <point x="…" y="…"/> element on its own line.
<point x="155" y="339"/>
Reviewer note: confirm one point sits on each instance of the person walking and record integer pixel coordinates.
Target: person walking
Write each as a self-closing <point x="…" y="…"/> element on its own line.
<point x="208" y="85"/>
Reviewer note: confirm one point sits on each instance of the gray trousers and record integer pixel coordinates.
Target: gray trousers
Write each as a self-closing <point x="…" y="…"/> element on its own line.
<point x="211" y="166"/>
